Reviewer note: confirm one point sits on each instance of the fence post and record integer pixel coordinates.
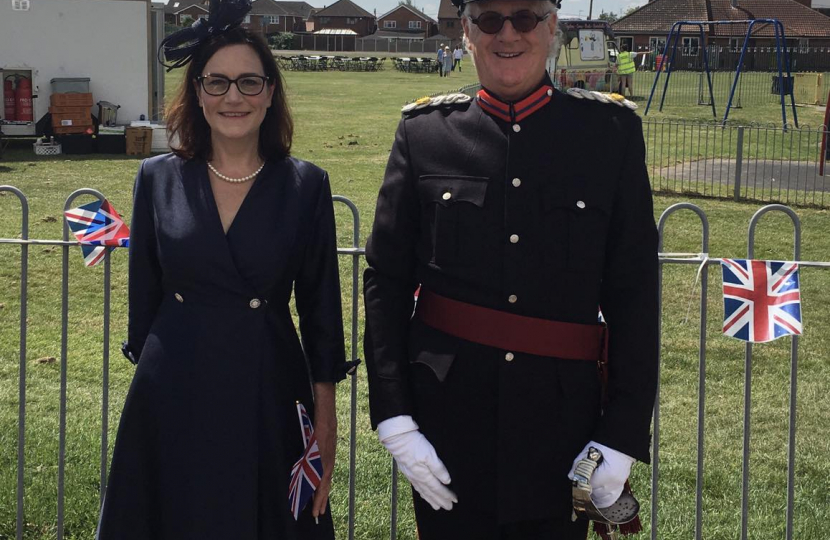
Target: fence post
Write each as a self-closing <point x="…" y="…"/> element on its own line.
<point x="739" y="158"/>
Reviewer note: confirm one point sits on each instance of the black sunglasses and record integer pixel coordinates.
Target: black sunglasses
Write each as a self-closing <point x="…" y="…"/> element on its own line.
<point x="523" y="21"/>
<point x="218" y="85"/>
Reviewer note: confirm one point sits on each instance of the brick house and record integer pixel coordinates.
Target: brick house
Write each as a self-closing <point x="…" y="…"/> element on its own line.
<point x="269" y="17"/>
<point x="185" y="12"/>
<point x="648" y="26"/>
<point x="344" y="15"/>
<point x="448" y="22"/>
<point x="406" y="20"/>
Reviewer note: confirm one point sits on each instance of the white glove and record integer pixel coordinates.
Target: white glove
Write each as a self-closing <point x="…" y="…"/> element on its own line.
<point x="417" y="460"/>
<point x="608" y="480"/>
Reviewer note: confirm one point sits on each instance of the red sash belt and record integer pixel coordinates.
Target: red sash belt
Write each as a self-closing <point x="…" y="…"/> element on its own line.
<point x="511" y="332"/>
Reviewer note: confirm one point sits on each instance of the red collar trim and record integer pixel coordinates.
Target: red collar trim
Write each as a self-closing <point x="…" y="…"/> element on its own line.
<point x="518" y="111"/>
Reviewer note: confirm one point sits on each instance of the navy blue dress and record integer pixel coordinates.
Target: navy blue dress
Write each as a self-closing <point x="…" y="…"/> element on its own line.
<point x="210" y="429"/>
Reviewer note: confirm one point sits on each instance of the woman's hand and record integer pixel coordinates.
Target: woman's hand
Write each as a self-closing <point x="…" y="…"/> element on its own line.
<point x="325" y="428"/>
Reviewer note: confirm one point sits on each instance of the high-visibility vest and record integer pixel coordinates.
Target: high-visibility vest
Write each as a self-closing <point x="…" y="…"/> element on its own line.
<point x="625" y="63"/>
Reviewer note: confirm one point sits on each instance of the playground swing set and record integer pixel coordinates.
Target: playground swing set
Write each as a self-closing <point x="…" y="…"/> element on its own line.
<point x="781" y="54"/>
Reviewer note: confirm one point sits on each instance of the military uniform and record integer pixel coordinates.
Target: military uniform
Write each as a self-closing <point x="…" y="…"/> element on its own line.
<point x="540" y="208"/>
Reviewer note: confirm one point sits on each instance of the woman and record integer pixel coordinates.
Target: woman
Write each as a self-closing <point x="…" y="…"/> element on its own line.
<point x="447" y="60"/>
<point x="223" y="229"/>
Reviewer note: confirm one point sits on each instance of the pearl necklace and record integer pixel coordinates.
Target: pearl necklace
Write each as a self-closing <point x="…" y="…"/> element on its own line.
<point x="235" y="180"/>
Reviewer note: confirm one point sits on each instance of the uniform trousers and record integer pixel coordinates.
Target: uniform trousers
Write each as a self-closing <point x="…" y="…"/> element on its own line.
<point x="461" y="523"/>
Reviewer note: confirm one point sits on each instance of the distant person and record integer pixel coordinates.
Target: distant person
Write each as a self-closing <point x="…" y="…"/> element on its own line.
<point x="447" y="61"/>
<point x="441" y="60"/>
<point x="626" y="68"/>
<point x="457" y="55"/>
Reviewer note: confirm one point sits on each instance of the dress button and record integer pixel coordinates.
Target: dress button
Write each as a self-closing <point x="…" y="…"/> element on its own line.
<point x="178" y="297"/>
<point x="255" y="303"/>
<point x="580" y="204"/>
<point x="446" y="196"/>
<point x="509" y="357"/>
<point x="514" y="238"/>
<point x="517" y="128"/>
<point x="512" y="298"/>
<point x="517" y="182"/>
<point x="550" y="92"/>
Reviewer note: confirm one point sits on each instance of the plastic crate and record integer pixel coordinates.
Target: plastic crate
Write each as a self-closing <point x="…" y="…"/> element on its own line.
<point x="70" y="85"/>
<point x="47" y="149"/>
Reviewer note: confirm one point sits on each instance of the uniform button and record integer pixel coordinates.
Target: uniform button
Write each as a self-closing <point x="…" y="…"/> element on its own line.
<point x="514" y="238"/>
<point x="517" y="128"/>
<point x="550" y="92"/>
<point x="517" y="182"/>
<point x="512" y="298"/>
<point x="509" y="357"/>
<point x="580" y="204"/>
<point x="446" y="196"/>
<point x="255" y="303"/>
<point x="178" y="297"/>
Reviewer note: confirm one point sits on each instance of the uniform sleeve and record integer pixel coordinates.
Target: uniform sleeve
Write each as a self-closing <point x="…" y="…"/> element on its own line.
<point x="145" y="274"/>
<point x="317" y="293"/>
<point x="630" y="306"/>
<point x="389" y="286"/>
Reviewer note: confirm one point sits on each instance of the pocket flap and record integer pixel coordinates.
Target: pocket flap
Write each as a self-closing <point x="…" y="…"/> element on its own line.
<point x="447" y="190"/>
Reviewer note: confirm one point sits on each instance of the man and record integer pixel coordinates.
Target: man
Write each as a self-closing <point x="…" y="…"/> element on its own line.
<point x="441" y="60"/>
<point x="457" y="55"/>
<point x="512" y="217"/>
<point x="626" y="68"/>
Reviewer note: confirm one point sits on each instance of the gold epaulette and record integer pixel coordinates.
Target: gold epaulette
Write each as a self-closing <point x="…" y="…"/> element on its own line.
<point x="602" y="97"/>
<point x="436" y="101"/>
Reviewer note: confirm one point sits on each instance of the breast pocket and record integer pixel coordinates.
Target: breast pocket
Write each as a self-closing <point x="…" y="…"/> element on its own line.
<point x="580" y="210"/>
<point x="453" y="210"/>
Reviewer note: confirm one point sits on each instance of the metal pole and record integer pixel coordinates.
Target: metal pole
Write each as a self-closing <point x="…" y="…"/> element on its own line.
<point x="739" y="158"/>
<point x="21" y="406"/>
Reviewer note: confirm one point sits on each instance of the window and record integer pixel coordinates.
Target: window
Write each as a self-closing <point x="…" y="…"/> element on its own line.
<point x="247" y="19"/>
<point x="691" y="46"/>
<point x="627" y="41"/>
<point x="350" y="20"/>
<point x="657" y="44"/>
<point x="324" y="20"/>
<point x="390" y="24"/>
<point x="450" y="24"/>
<point x="413" y="25"/>
<point x="737" y="44"/>
<point x="273" y="19"/>
<point x="20" y="5"/>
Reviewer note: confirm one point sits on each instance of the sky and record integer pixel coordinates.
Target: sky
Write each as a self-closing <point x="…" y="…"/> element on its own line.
<point x="570" y="8"/>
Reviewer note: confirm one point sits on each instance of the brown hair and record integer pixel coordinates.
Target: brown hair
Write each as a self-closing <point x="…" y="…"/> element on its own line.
<point x="185" y="118"/>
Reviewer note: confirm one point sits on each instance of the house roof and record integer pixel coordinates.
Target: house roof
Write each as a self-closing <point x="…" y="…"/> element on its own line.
<point x="798" y="20"/>
<point x="447" y="11"/>
<point x="658" y="16"/>
<point x="343" y="8"/>
<point x="177" y="6"/>
<point x="297" y="9"/>
<point x="420" y="14"/>
<point x="267" y="7"/>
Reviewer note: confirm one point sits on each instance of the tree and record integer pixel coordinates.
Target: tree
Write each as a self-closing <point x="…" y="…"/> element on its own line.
<point x="631" y="10"/>
<point x="609" y="17"/>
<point x="409" y="3"/>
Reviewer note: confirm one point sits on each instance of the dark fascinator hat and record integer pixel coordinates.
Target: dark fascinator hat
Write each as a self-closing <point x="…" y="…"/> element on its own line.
<point x="460" y="4"/>
<point x="178" y="48"/>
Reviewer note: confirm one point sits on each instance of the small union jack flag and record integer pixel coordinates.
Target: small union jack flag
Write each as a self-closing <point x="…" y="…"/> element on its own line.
<point x="98" y="228"/>
<point x="308" y="471"/>
<point x="761" y="300"/>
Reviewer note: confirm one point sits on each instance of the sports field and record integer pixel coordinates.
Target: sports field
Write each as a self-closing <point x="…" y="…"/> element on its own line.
<point x="345" y="123"/>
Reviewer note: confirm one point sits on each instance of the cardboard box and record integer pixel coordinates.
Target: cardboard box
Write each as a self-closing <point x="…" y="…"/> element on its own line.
<point x="69" y="110"/>
<point x="71" y="100"/>
<point x="139" y="141"/>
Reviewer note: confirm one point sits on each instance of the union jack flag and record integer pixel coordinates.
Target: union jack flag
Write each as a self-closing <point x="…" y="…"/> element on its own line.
<point x="308" y="471"/>
<point x="761" y="300"/>
<point x="99" y="229"/>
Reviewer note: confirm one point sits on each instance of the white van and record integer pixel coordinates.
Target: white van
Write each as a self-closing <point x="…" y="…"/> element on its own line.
<point x="587" y="56"/>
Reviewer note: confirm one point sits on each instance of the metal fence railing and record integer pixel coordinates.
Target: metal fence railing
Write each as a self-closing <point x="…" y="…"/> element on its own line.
<point x="20" y="239"/>
<point x="753" y="162"/>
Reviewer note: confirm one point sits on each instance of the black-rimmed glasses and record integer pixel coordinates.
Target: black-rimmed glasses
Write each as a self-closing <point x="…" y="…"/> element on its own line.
<point x="491" y="22"/>
<point x="218" y="85"/>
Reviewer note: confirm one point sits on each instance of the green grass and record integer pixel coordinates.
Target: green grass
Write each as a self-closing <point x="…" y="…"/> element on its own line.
<point x="331" y="110"/>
